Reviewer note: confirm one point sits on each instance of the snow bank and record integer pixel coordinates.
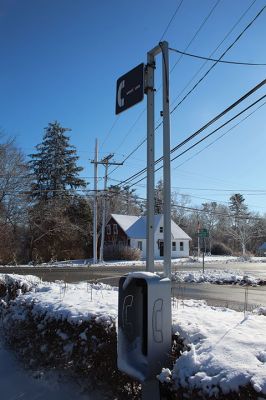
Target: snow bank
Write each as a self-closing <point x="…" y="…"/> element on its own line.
<point x="216" y="276"/>
<point x="75" y="324"/>
<point x="225" y="350"/>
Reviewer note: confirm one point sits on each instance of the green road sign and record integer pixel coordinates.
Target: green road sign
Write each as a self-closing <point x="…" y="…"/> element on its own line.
<point x="203" y="233"/>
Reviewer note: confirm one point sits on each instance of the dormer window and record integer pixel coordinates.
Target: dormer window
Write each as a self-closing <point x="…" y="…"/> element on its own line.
<point x="161" y="229"/>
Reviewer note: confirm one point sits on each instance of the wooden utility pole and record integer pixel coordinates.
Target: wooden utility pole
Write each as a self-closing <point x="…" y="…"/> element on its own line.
<point x="106" y="162"/>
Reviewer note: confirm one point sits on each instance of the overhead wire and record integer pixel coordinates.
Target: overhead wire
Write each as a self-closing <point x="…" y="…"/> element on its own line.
<point x="171" y="19"/>
<point x="205" y="137"/>
<point x="197" y="132"/>
<point x="221" y="136"/>
<point x="223" y="54"/>
<point x="197" y="32"/>
<point x="142" y="112"/>
<point x="217" y="47"/>
<point x="217" y="60"/>
<point x="204" y="76"/>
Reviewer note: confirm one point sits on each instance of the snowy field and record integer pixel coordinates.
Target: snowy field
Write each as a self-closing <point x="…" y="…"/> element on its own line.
<point x="175" y="261"/>
<point x="226" y="349"/>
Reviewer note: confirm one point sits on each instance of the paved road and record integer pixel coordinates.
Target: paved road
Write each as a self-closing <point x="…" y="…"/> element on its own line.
<point x="231" y="296"/>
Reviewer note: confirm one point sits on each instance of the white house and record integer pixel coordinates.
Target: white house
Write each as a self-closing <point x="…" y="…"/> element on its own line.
<point x="131" y="230"/>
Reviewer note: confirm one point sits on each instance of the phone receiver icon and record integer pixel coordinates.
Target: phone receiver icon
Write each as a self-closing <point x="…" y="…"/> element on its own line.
<point x="157" y="321"/>
<point x="127" y="305"/>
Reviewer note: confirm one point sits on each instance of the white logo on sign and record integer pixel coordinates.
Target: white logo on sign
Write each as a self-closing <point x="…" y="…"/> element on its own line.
<point x="120" y="99"/>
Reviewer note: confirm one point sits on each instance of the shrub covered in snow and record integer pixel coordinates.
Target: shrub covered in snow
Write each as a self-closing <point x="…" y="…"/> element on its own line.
<point x="118" y="252"/>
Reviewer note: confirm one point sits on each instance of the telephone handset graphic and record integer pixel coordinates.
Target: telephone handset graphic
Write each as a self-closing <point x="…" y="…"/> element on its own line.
<point x="127" y="305"/>
<point x="157" y="321"/>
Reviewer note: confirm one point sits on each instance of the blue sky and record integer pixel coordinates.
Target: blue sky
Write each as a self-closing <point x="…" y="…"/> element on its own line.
<point x="60" y="59"/>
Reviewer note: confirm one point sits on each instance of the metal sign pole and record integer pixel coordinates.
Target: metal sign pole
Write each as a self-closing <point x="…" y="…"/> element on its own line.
<point x="150" y="158"/>
<point x="166" y="162"/>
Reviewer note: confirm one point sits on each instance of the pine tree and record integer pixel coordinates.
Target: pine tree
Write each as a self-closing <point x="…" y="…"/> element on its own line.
<point x="54" y="165"/>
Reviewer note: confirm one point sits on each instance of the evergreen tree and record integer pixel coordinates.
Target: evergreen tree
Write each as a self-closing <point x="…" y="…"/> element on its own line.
<point x="54" y="165"/>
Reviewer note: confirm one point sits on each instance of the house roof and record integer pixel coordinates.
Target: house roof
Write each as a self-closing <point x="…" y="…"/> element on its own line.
<point x="137" y="229"/>
<point x="263" y="246"/>
<point x="125" y="221"/>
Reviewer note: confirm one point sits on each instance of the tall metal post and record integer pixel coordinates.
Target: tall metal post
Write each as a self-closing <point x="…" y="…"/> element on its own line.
<point x="150" y="162"/>
<point x="166" y="161"/>
<point x="95" y="259"/>
<point x="149" y="87"/>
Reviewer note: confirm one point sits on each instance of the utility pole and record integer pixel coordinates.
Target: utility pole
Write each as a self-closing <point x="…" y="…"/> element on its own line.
<point x="106" y="162"/>
<point x="95" y="162"/>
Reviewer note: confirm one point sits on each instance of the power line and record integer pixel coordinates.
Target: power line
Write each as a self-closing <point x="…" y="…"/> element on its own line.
<point x="216" y="60"/>
<point x="216" y="118"/>
<point x="171" y="20"/>
<point x="229" y="130"/>
<point x="223" y="54"/>
<point x="219" y="45"/>
<point x="134" y="124"/>
<point x="205" y="137"/>
<point x="204" y="76"/>
<point x="197" y="32"/>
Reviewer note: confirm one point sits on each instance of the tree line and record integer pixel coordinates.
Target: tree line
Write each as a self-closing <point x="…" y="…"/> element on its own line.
<point x="46" y="208"/>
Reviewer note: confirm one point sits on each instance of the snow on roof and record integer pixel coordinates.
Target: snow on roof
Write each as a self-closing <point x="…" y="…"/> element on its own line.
<point x="263" y="246"/>
<point x="138" y="229"/>
<point x="125" y="221"/>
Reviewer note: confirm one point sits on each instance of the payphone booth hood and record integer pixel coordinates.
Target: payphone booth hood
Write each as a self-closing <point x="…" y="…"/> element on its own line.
<point x="144" y="324"/>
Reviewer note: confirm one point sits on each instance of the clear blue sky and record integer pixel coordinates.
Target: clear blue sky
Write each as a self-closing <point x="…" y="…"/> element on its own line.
<point x="61" y="59"/>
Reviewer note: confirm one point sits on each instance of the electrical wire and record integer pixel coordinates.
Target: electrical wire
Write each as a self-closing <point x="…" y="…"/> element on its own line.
<point x="223" y="54"/>
<point x="130" y="130"/>
<point x="205" y="137"/>
<point x="216" y="60"/>
<point x="221" y="136"/>
<point x="204" y="76"/>
<point x="214" y="51"/>
<point x="171" y="20"/>
<point x="216" y="118"/>
<point x="197" y="32"/>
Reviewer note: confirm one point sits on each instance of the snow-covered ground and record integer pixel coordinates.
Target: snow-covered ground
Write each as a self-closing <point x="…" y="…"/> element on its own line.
<point x="175" y="261"/>
<point x="225" y="349"/>
<point x="16" y="383"/>
<point x="215" y="276"/>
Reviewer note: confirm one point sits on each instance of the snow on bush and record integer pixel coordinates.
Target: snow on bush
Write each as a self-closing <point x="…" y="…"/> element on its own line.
<point x="220" y="351"/>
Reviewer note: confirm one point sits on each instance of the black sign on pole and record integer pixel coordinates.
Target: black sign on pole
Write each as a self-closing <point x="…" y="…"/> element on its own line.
<point x="130" y="89"/>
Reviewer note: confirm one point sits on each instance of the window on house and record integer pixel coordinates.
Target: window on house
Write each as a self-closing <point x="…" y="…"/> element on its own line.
<point x="128" y="242"/>
<point x="140" y="245"/>
<point x="181" y="246"/>
<point x="115" y="230"/>
<point x="108" y="229"/>
<point x="173" y="246"/>
<point x="161" y="229"/>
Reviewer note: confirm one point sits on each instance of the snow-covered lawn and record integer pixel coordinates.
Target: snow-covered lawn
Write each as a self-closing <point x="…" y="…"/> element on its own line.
<point x="140" y="263"/>
<point x="225" y="349"/>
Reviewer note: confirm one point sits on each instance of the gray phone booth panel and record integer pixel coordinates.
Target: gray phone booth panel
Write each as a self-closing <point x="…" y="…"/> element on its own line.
<point x="144" y="324"/>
